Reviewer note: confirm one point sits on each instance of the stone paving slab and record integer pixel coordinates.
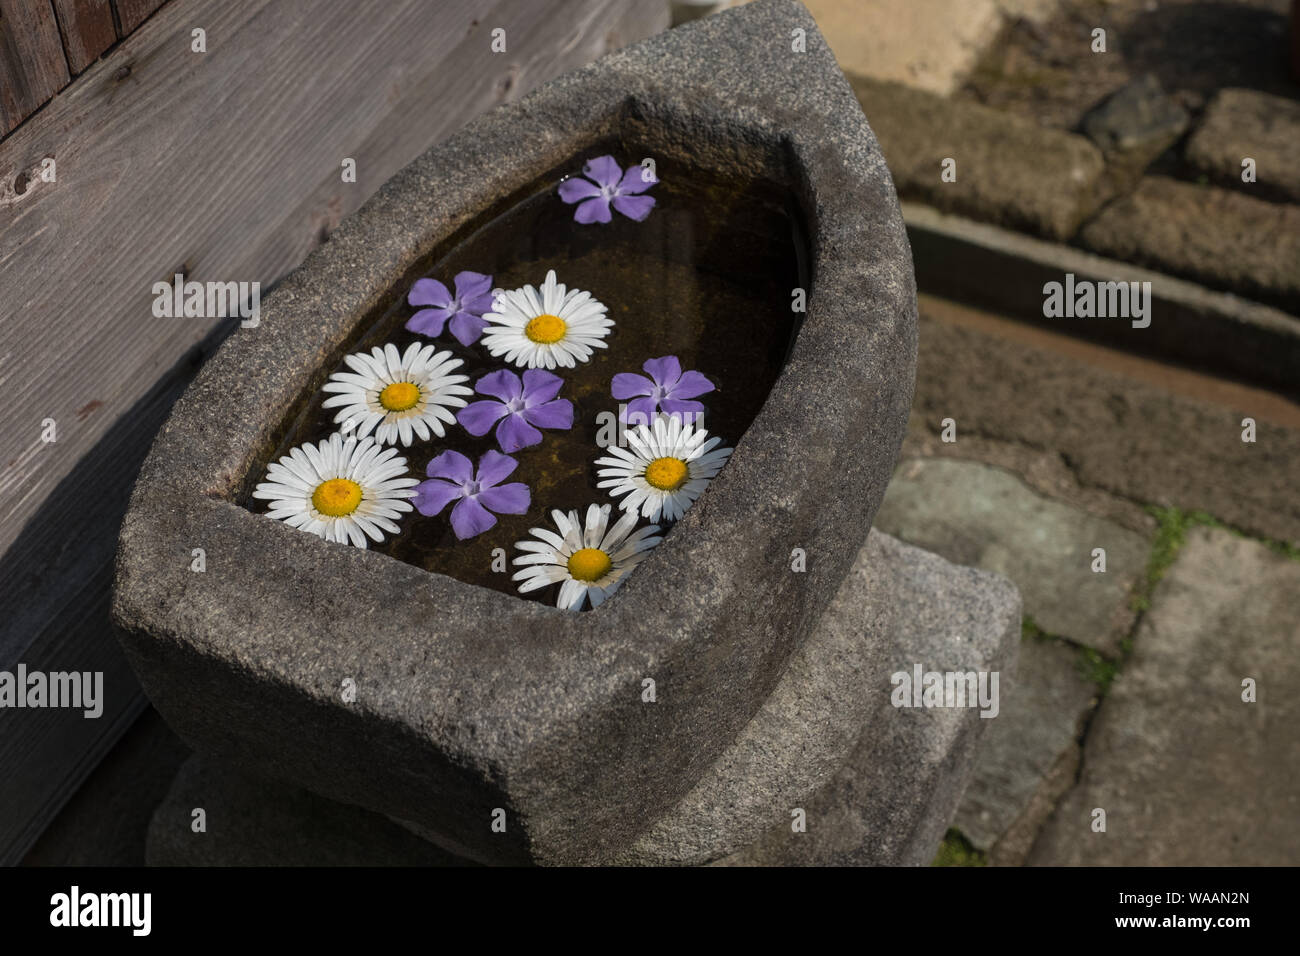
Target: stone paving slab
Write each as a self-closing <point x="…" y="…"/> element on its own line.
<point x="1117" y="434"/>
<point x="1246" y="123"/>
<point x="1046" y="472"/>
<point x="975" y="514"/>
<point x="1253" y="248"/>
<point x="1014" y="788"/>
<point x="1188" y="773"/>
<point x="1009" y="171"/>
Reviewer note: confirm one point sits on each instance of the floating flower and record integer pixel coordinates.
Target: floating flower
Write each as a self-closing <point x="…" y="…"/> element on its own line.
<point x="406" y="396"/>
<point x="666" y="388"/>
<point x="477" y="494"/>
<point x="668" y="466"/>
<point x="587" y="562"/>
<point x="606" y="184"/>
<point x="465" y="309"/>
<point x="521" y="408"/>
<point x="546" y="328"/>
<point x="344" y="490"/>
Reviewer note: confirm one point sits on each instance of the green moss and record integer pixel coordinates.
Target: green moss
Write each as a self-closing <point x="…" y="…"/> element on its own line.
<point x="1030" y="631"/>
<point x="1172" y="525"/>
<point x="1098" y="668"/>
<point x="956" y="850"/>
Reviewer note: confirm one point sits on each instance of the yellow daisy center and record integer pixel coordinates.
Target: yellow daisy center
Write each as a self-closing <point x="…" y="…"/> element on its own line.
<point x="666" y="474"/>
<point x="400" y="396"/>
<point x="546" y="329"/>
<point x="336" y="497"/>
<point x="589" y="564"/>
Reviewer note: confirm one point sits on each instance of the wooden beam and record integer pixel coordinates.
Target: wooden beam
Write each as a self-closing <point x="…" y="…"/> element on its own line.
<point x="225" y="165"/>
<point x="87" y="28"/>
<point x="32" y="64"/>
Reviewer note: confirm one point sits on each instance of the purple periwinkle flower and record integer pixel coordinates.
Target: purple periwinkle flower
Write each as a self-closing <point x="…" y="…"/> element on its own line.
<point x="606" y="184"/>
<point x="465" y="309"/>
<point x="522" y="407"/>
<point x="664" y="387"/>
<point x="477" y="494"/>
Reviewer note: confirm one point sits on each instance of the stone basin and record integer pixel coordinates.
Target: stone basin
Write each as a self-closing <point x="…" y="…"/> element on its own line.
<point x="450" y="706"/>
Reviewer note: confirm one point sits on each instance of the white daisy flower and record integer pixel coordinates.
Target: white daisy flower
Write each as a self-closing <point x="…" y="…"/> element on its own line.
<point x="344" y="490"/>
<point x="407" y="396"/>
<point x="545" y="328"/>
<point x="667" y="465"/>
<point x="588" y="562"/>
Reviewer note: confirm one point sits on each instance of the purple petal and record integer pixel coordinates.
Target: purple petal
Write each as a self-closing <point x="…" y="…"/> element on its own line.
<point x="477" y="418"/>
<point x="690" y="385"/>
<point x="603" y="171"/>
<point x="433" y="495"/>
<point x="593" y="210"/>
<point x="540" y="386"/>
<point x="577" y="189"/>
<point x="428" y="322"/>
<point x="478" y="304"/>
<point x="514" y="433"/>
<point x="494" y="468"/>
<point x="511" y="499"/>
<point x="665" y="371"/>
<point x="453" y="466"/>
<point x="673" y="406"/>
<point x="502" y="384"/>
<point x="467" y="328"/>
<point x="629" y="385"/>
<point x="640" y="412"/>
<point x="637" y="179"/>
<point x="556" y="414"/>
<point x="429" y="292"/>
<point x="634" y="207"/>
<point x="472" y="284"/>
<point x="469" y="518"/>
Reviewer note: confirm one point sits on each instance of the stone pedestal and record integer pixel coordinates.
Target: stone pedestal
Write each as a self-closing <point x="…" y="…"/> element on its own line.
<point x="873" y="783"/>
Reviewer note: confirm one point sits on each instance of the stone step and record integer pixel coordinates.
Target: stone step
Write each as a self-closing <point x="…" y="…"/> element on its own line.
<point x="1240" y="124"/>
<point x="893" y="800"/>
<point x="1252" y="249"/>
<point x="878" y="784"/>
<point x="1009" y="171"/>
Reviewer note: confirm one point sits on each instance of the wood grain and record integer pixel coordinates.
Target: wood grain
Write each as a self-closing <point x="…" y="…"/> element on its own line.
<point x="87" y="29"/>
<point x="32" y="64"/>
<point x="132" y="13"/>
<point x="225" y="165"/>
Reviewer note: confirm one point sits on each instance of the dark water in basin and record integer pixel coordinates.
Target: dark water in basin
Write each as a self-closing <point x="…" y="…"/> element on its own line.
<point x="707" y="277"/>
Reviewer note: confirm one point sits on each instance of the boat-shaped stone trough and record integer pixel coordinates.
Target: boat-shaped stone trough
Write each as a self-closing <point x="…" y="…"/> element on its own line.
<point x="740" y="676"/>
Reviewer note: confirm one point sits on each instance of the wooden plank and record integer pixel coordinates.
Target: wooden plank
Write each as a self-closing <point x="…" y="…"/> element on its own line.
<point x="132" y="13"/>
<point x="48" y="751"/>
<point x="227" y="165"/>
<point x="87" y="28"/>
<point x="32" y="64"/>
